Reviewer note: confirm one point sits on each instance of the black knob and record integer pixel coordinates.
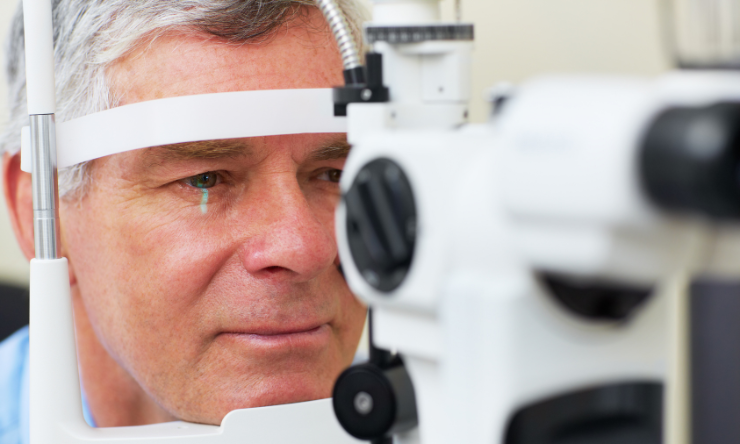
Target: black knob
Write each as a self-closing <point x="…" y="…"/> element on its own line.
<point x="371" y="403"/>
<point x="381" y="224"/>
<point x="690" y="160"/>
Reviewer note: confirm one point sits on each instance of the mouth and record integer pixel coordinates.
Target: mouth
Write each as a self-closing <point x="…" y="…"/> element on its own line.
<point x="276" y="339"/>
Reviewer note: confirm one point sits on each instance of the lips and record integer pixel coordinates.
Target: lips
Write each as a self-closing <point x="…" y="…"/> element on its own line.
<point x="267" y="331"/>
<point x="311" y="337"/>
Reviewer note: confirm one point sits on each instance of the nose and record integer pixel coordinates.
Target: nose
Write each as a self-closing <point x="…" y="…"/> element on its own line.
<point x="290" y="238"/>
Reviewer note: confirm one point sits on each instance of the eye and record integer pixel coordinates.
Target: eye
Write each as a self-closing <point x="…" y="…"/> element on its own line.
<point x="332" y="175"/>
<point x="203" y="181"/>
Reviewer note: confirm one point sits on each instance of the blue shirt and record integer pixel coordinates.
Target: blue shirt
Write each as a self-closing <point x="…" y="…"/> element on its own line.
<point x="14" y="387"/>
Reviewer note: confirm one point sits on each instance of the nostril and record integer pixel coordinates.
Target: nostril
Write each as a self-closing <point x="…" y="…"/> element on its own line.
<point x="273" y="270"/>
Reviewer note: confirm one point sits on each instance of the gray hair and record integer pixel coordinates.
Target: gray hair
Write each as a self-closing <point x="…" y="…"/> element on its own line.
<point x="91" y="35"/>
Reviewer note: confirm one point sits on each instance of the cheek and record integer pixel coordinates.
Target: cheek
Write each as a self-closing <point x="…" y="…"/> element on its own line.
<point x="174" y="257"/>
<point x="141" y="272"/>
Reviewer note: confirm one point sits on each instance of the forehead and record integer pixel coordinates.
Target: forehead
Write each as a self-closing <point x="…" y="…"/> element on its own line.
<point x="301" y="54"/>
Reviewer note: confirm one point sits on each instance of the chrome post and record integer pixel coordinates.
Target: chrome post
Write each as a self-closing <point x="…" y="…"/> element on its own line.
<point x="45" y="192"/>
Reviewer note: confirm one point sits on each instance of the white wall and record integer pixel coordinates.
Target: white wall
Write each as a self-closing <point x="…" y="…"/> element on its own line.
<point x="515" y="39"/>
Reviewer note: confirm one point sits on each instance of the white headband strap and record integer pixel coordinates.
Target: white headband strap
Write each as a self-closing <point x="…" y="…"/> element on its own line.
<point x="228" y="115"/>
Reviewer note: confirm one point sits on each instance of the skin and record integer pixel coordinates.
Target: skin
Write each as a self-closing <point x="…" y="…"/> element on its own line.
<point x="188" y="314"/>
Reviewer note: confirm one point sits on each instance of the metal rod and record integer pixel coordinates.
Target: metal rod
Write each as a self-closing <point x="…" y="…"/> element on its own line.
<point x="45" y="193"/>
<point x="342" y="33"/>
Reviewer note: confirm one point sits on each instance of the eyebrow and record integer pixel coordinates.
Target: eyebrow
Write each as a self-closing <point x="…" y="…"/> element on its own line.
<point x="232" y="148"/>
<point x="335" y="150"/>
<point x="206" y="149"/>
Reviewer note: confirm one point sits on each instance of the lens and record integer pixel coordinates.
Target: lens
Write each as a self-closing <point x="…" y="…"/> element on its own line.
<point x="690" y="160"/>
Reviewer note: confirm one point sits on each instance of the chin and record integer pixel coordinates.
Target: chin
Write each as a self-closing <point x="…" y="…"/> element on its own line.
<point x="290" y="389"/>
<point x="271" y="390"/>
<point x="245" y="377"/>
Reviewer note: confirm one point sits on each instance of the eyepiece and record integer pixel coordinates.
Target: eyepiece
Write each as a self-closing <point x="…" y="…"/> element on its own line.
<point x="690" y="160"/>
<point x="381" y="224"/>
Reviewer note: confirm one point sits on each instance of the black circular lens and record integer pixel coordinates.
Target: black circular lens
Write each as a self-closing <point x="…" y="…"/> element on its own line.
<point x="381" y="223"/>
<point x="690" y="159"/>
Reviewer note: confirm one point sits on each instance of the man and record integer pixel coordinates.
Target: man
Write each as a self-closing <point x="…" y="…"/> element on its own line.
<point x="204" y="275"/>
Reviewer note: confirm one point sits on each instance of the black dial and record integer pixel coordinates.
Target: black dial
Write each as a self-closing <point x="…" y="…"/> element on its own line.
<point x="371" y="402"/>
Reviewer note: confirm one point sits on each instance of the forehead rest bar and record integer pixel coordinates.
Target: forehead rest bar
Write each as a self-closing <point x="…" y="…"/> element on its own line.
<point x="228" y="115"/>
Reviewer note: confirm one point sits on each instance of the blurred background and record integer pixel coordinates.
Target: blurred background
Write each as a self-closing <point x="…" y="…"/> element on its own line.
<point x="13" y="266"/>
<point x="515" y="39"/>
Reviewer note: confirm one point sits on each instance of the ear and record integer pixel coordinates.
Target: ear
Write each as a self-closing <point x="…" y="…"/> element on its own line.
<point x="19" y="199"/>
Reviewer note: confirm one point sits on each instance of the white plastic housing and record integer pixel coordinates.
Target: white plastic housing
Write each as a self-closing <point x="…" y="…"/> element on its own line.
<point x="563" y="159"/>
<point x="39" y="43"/>
<point x="55" y="382"/>
<point x="507" y="341"/>
<point x="568" y="170"/>
<point x="429" y="82"/>
<point x="552" y="186"/>
<point x="407" y="318"/>
<point x="432" y="161"/>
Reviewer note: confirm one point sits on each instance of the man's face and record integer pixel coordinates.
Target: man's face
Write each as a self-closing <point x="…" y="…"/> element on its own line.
<point x="208" y="271"/>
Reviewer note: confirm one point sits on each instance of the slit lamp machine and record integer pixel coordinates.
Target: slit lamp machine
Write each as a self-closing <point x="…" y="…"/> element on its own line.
<point x="524" y="275"/>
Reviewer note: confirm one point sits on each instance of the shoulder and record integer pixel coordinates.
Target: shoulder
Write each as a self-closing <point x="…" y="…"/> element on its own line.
<point x="14" y="388"/>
